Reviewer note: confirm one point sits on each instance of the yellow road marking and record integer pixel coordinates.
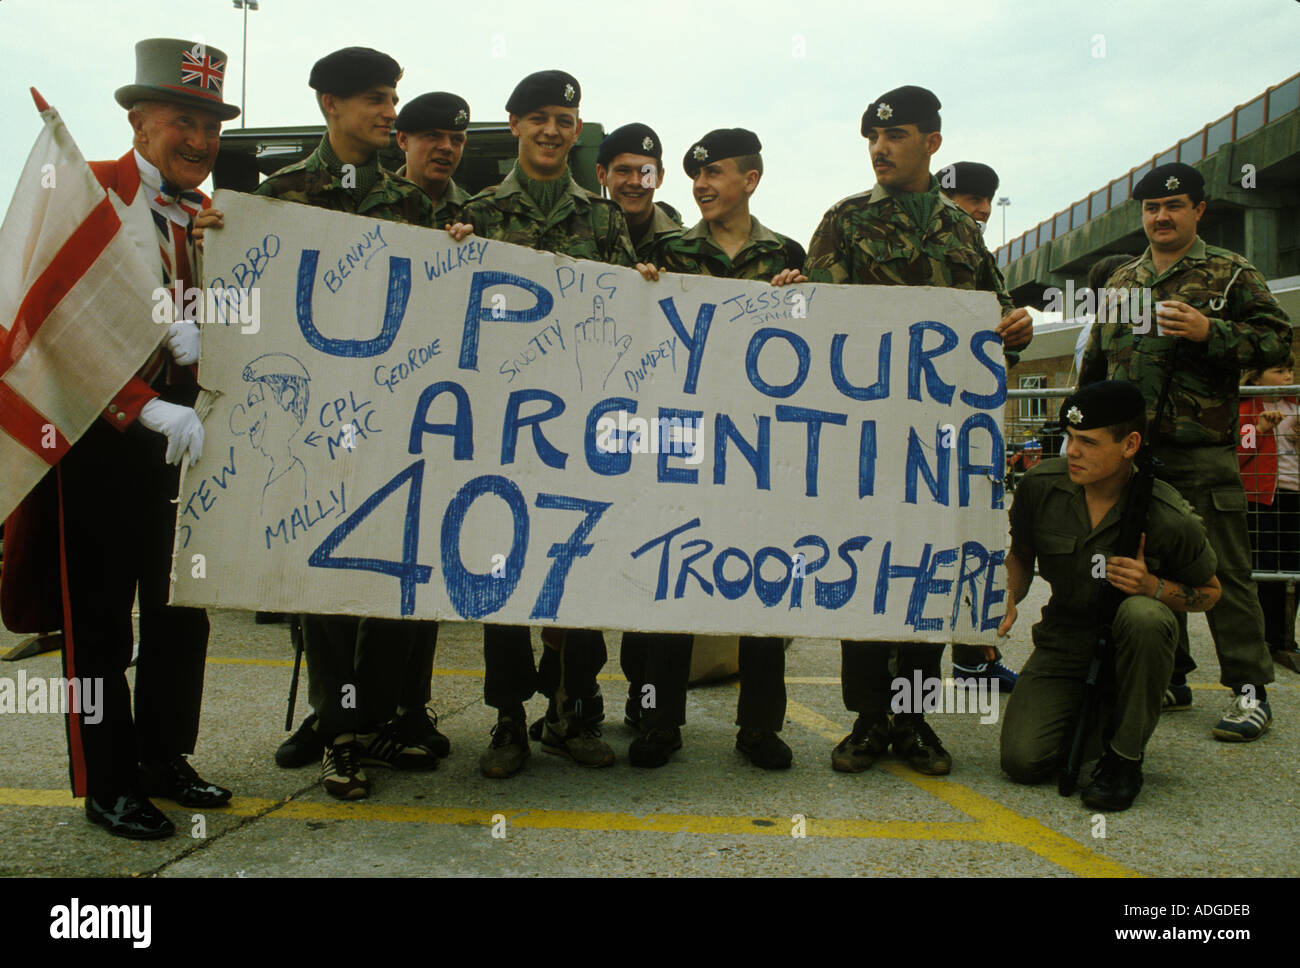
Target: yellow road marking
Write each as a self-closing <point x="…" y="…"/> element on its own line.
<point x="538" y="819"/>
<point x="991" y="820"/>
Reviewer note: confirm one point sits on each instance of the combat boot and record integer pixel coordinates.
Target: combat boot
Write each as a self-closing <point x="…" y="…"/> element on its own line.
<point x="1115" y="783"/>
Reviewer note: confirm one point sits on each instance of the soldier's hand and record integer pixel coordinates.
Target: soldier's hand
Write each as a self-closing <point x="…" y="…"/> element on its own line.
<point x="1130" y="575"/>
<point x="1004" y="629"/>
<point x="209" y="218"/>
<point x="1179" y="319"/>
<point x="1016" y="329"/>
<point x="649" y="271"/>
<point x="459" y="231"/>
<point x="787" y="277"/>
<point x="1269" y="419"/>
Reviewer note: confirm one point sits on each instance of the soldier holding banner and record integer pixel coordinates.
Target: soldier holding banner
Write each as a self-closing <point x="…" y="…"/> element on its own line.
<point x="725" y="166"/>
<point x="431" y="131"/>
<point x="887" y="236"/>
<point x="539" y="205"/>
<point x="368" y="678"/>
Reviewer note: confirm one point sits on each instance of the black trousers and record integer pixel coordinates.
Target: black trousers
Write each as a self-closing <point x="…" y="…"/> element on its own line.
<point x="663" y="661"/>
<point x="511" y="677"/>
<point x="1275" y="546"/>
<point x="118" y="532"/>
<point x="762" y="683"/>
<point x="866" y="679"/>
<point x="359" y="670"/>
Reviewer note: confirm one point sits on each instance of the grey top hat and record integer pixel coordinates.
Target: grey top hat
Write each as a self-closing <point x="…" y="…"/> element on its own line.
<point x="179" y="71"/>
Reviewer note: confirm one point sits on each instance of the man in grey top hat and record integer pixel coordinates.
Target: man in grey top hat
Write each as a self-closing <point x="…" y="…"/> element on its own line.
<point x="114" y="488"/>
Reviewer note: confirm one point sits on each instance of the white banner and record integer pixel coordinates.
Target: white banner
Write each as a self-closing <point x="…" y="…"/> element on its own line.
<point x="407" y="426"/>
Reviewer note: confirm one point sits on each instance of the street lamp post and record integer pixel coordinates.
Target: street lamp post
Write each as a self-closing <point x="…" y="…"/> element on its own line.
<point x="1003" y="202"/>
<point x="244" y="5"/>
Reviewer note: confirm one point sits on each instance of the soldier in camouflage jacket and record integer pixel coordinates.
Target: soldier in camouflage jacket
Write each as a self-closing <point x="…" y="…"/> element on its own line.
<point x="1214" y="316"/>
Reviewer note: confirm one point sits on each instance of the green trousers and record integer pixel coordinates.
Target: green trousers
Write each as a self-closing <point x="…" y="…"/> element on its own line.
<point x="1038" y="723"/>
<point x="1209" y="479"/>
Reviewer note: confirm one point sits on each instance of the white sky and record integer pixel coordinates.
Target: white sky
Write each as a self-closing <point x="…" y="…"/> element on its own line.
<point x="1020" y="85"/>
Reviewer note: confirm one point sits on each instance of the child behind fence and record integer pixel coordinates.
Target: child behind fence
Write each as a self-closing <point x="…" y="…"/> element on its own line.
<point x="1270" y="472"/>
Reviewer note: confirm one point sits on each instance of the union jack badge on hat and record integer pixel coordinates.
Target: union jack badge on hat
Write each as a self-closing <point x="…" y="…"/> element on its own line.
<point x="181" y="72"/>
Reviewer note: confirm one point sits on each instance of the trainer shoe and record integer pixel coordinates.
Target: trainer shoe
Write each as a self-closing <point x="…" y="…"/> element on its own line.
<point x="419" y="727"/>
<point x="654" y="746"/>
<point x="508" y="751"/>
<point x="1004" y="675"/>
<point x="578" y="739"/>
<point x="1178" y="696"/>
<point x="592" y="709"/>
<point x="765" y="749"/>
<point x="867" y="743"/>
<point x="385" y="747"/>
<point x="303" y="747"/>
<point x="1115" y="783"/>
<point x="917" y="743"/>
<point x="1244" y="719"/>
<point x="341" y="772"/>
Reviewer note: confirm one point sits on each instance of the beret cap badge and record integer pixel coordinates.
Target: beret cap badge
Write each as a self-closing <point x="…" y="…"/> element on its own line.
<point x="1075" y="415"/>
<point x="700" y="153"/>
<point x="1171" y="183"/>
<point x="462" y="116"/>
<point x="648" y="143"/>
<point x="884" y="112"/>
<point x="568" y="92"/>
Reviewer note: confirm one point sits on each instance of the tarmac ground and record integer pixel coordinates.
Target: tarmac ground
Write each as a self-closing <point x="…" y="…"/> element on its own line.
<point x="1208" y="809"/>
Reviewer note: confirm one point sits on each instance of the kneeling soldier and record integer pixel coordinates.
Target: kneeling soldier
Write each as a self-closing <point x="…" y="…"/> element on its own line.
<point x="1067" y="515"/>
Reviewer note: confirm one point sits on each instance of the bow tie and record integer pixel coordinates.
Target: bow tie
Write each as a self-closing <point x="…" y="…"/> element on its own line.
<point x="189" y="200"/>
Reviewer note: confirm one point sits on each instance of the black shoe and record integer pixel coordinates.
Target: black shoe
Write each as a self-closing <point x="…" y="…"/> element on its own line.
<point x="1115" y="783"/>
<point x="270" y="618"/>
<point x="419" y="727"/>
<point x="916" y="742"/>
<point x="176" y="780"/>
<point x="654" y="746"/>
<point x="132" y="817"/>
<point x="868" y="742"/>
<point x="303" y="747"/>
<point x="765" y="749"/>
<point x="535" y="730"/>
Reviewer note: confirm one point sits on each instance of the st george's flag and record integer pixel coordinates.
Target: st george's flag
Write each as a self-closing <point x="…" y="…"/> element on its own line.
<point x="75" y="308"/>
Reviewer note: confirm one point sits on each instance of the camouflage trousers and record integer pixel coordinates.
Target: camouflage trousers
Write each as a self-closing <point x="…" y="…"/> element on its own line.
<point x="1209" y="479"/>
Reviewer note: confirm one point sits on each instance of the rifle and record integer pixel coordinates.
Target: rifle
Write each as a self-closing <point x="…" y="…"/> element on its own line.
<point x="1132" y="525"/>
<point x="295" y="636"/>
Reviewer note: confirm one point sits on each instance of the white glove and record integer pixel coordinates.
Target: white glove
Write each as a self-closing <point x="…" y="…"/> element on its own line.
<point x="183" y="341"/>
<point x="181" y="426"/>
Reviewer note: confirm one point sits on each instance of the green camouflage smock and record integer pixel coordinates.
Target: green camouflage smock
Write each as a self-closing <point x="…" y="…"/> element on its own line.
<point x="311" y="182"/>
<point x="450" y="207"/>
<point x="664" y="224"/>
<point x="764" y="254"/>
<point x="1247" y="330"/>
<point x="582" y="226"/>
<point x="869" y="239"/>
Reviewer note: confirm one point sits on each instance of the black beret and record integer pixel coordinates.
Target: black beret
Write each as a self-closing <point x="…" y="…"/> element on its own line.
<point x="908" y="104"/>
<point x="352" y="70"/>
<point x="633" y="139"/>
<point x="719" y="144"/>
<point x="1103" y="404"/>
<point x="968" y="178"/>
<point x="543" y="88"/>
<point x="438" y="110"/>
<point x="1172" y="179"/>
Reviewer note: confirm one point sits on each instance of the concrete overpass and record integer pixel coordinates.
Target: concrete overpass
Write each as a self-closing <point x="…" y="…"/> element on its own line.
<point x="1250" y="159"/>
